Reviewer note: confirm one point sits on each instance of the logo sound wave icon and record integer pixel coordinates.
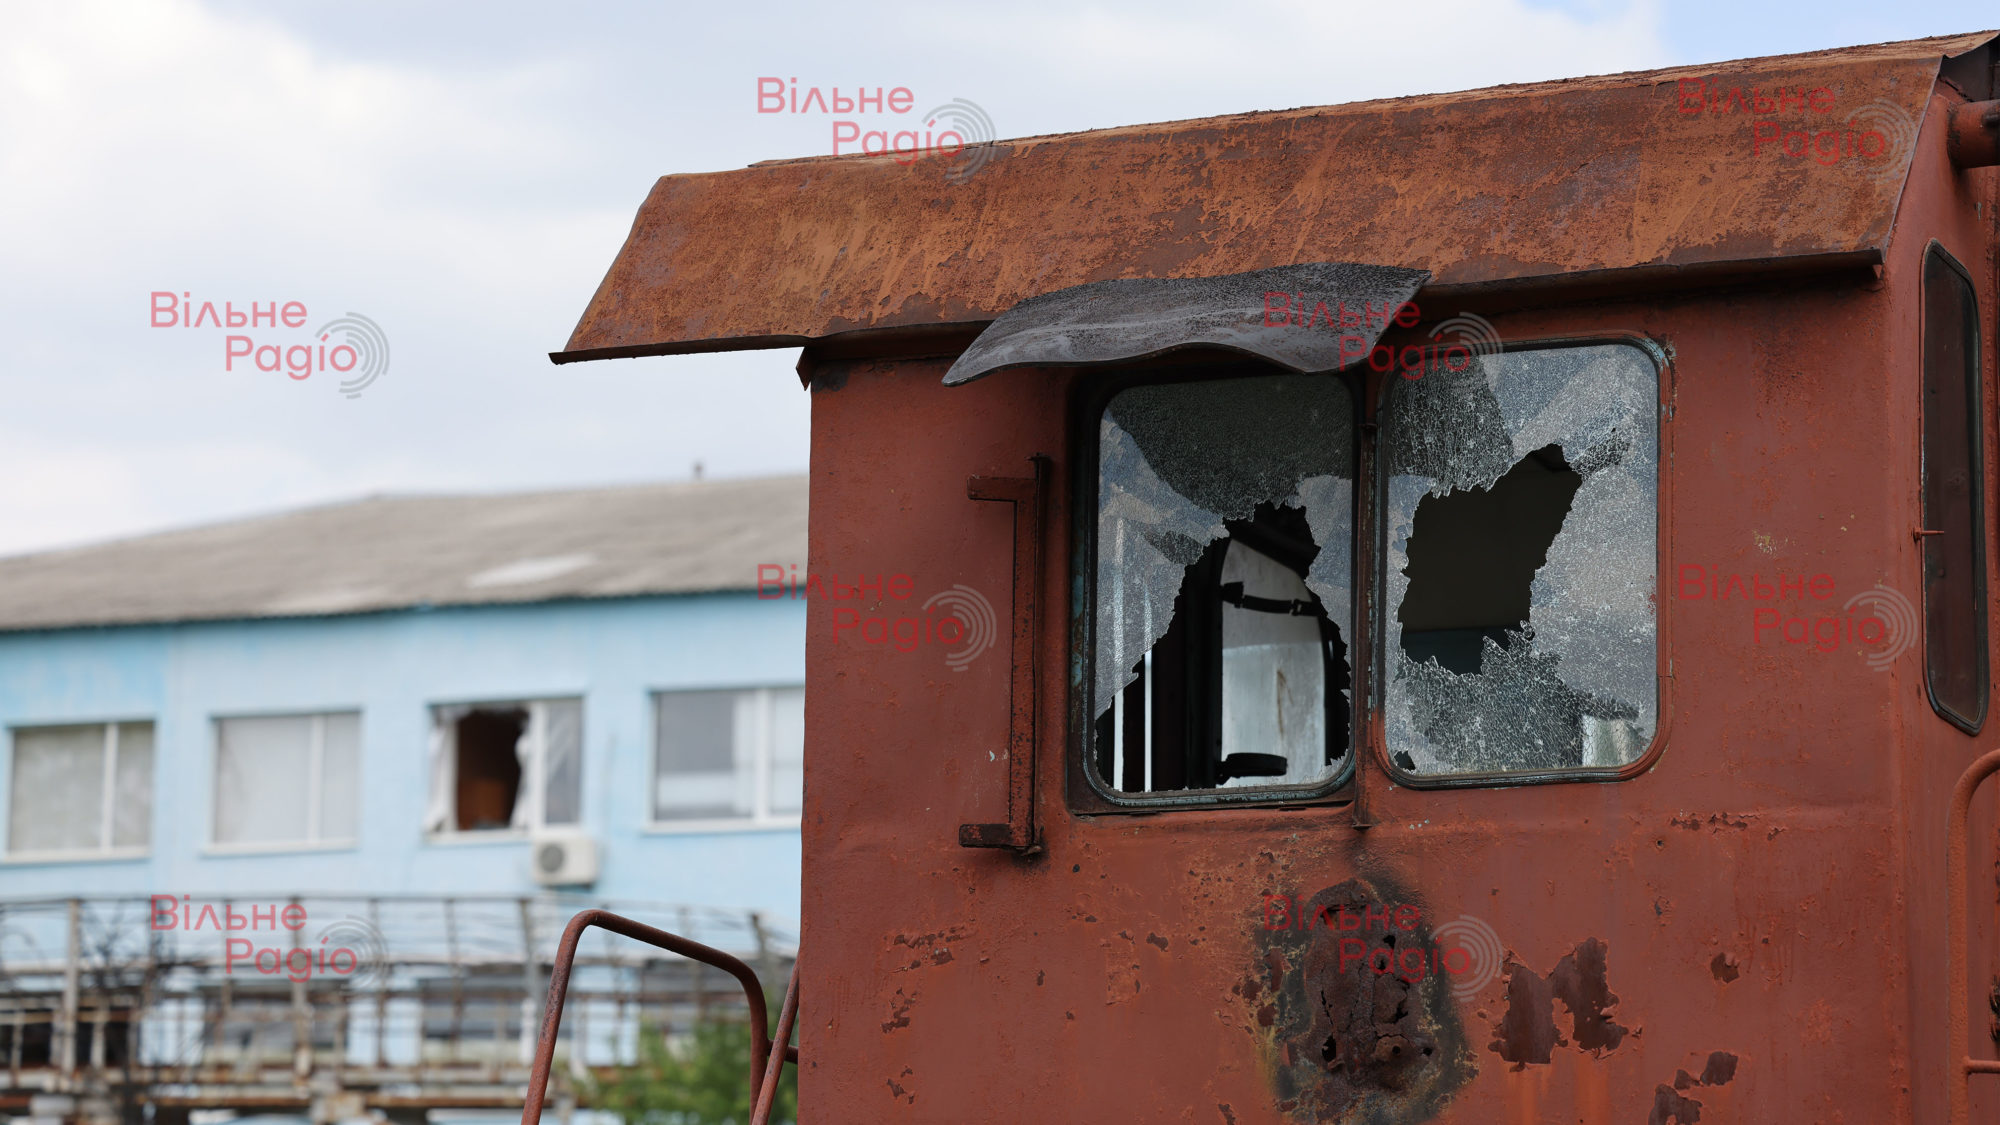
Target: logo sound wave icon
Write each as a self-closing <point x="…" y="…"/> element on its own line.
<point x="1898" y="617"/>
<point x="364" y="939"/>
<point x="971" y="123"/>
<point x="971" y="607"/>
<point x="1898" y="132"/>
<point x="1482" y="949"/>
<point x="371" y="347"/>
<point x="1469" y="331"/>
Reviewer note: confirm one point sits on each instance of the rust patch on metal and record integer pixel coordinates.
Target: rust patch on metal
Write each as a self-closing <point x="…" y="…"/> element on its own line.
<point x="1671" y="1107"/>
<point x="1694" y="822"/>
<point x="932" y="949"/>
<point x="1352" y="1044"/>
<point x="899" y="1011"/>
<point x="1526" y="1032"/>
<point x="1724" y="968"/>
<point x="1579" y="982"/>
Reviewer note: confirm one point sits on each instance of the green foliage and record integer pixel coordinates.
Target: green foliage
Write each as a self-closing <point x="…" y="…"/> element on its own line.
<point x="699" y="1079"/>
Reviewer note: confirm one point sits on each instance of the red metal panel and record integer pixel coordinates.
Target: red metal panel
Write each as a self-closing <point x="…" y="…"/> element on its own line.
<point x="1752" y="929"/>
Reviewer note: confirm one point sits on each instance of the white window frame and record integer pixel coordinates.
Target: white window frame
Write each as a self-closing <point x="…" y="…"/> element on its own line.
<point x="536" y="769"/>
<point x="107" y="809"/>
<point x="761" y="817"/>
<point x="315" y="780"/>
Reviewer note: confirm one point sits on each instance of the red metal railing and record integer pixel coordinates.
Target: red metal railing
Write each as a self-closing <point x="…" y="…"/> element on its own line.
<point x="1964" y="1066"/>
<point x="764" y="1070"/>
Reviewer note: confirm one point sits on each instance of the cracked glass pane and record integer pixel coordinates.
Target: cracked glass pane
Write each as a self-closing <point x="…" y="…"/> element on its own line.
<point x="1225" y="514"/>
<point x="1521" y="526"/>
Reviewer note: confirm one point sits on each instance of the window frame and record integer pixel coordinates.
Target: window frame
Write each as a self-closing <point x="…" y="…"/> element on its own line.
<point x="762" y="764"/>
<point x="1975" y="422"/>
<point x="107" y="828"/>
<point x="316" y="757"/>
<point x="536" y="777"/>
<point x="1086" y="794"/>
<point x="1093" y="393"/>
<point x="1662" y="661"/>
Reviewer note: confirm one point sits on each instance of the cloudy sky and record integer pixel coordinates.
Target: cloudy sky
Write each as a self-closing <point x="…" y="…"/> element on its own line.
<point x="462" y="174"/>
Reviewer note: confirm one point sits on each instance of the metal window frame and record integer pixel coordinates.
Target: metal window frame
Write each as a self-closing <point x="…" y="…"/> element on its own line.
<point x="315" y="837"/>
<point x="1976" y="439"/>
<point x="763" y="766"/>
<point x="1491" y="779"/>
<point x="1085" y="791"/>
<point x="106" y="846"/>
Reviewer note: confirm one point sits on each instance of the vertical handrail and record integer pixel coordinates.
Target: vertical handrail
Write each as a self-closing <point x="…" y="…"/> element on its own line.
<point x="1963" y="1065"/>
<point x="768" y="1096"/>
<point x="545" y="1048"/>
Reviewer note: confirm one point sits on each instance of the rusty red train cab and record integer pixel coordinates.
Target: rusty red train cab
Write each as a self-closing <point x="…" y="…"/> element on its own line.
<point x="1468" y="608"/>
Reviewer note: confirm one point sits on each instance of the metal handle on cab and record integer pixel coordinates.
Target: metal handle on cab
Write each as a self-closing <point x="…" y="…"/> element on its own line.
<point x="1029" y="495"/>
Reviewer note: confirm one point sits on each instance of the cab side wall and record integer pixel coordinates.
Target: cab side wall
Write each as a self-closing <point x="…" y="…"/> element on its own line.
<point x="1746" y="888"/>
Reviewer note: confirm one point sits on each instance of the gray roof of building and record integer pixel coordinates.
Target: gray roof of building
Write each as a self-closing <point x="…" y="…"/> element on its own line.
<point x="398" y="552"/>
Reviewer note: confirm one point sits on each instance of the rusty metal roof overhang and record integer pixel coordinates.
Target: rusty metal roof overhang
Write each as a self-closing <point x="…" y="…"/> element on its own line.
<point x="1592" y="181"/>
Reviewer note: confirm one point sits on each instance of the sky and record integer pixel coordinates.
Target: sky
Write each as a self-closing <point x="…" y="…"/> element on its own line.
<point x="461" y="175"/>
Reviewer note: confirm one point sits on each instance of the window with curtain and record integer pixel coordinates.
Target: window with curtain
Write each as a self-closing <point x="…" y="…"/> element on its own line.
<point x="82" y="789"/>
<point x="287" y="779"/>
<point x="506" y="766"/>
<point x="729" y="755"/>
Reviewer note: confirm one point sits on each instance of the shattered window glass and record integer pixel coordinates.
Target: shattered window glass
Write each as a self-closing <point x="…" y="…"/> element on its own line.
<point x="1522" y="507"/>
<point x="1223" y="574"/>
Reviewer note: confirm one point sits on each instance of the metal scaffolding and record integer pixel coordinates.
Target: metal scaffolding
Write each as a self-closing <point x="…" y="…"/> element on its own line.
<point x="334" y="1006"/>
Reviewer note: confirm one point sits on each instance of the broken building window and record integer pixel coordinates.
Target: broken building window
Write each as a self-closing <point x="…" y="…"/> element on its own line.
<point x="1223" y="570"/>
<point x="497" y="766"/>
<point x="1521" y="524"/>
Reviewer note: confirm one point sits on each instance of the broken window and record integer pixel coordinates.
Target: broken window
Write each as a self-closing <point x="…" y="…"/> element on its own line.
<point x="1521" y="512"/>
<point x="1222" y="586"/>
<point x="1517" y="570"/>
<point x="728" y="755"/>
<point x="506" y="766"/>
<point x="288" y="779"/>
<point x="1954" y="558"/>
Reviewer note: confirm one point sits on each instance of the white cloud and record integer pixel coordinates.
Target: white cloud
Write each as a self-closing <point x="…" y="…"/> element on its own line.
<point x="467" y="193"/>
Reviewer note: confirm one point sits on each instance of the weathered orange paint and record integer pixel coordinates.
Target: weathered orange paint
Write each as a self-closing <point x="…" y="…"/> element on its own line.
<point x="1768" y="893"/>
<point x="1554" y="182"/>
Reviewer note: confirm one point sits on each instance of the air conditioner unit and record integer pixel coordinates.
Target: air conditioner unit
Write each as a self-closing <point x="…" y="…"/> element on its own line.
<point x="563" y="857"/>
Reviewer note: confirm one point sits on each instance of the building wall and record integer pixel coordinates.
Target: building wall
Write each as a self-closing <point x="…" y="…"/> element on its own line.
<point x="393" y="667"/>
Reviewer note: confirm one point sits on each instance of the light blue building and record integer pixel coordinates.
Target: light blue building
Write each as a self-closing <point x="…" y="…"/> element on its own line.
<point x="403" y="695"/>
<point x="525" y="703"/>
